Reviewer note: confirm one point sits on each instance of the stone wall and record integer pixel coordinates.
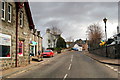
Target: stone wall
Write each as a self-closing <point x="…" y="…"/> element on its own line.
<point x="113" y="51"/>
<point x="10" y="29"/>
<point x="24" y="33"/>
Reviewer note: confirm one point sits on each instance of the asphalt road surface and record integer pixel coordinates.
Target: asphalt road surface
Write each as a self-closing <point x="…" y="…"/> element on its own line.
<point x="68" y="65"/>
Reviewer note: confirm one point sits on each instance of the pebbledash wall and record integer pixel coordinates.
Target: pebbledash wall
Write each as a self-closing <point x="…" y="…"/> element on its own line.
<point x="8" y="36"/>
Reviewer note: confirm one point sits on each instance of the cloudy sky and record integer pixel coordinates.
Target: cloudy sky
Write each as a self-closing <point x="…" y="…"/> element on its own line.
<point x="73" y="18"/>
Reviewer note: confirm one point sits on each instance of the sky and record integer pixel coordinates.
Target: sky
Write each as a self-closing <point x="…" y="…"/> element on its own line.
<point x="73" y="17"/>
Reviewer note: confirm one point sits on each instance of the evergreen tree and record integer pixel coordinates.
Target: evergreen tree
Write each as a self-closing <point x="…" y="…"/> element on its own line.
<point x="61" y="43"/>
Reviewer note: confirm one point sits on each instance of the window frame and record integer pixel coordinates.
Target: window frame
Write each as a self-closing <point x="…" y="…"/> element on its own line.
<point x="49" y="41"/>
<point x="21" y="19"/>
<point x="9" y="13"/>
<point x="7" y="45"/>
<point x="22" y="42"/>
<point x="3" y="10"/>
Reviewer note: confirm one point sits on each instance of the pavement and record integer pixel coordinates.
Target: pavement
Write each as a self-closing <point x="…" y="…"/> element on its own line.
<point x="8" y="72"/>
<point x="102" y="59"/>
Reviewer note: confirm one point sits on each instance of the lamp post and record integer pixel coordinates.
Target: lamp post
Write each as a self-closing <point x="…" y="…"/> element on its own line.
<point x="105" y="20"/>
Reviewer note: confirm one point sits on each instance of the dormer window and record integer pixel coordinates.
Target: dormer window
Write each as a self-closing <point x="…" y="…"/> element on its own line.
<point x="21" y="19"/>
<point x="9" y="12"/>
<point x="3" y="10"/>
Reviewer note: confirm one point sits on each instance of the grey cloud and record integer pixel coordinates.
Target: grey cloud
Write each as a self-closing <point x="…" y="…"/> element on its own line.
<point x="72" y="16"/>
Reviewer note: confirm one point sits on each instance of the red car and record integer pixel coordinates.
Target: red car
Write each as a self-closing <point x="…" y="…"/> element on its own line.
<point x="48" y="53"/>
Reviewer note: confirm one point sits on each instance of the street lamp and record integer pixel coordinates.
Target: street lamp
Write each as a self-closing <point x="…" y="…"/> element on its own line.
<point x="105" y="20"/>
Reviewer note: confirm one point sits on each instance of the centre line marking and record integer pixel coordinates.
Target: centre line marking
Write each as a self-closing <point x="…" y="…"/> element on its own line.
<point x="65" y="76"/>
<point x="71" y="58"/>
<point x="69" y="66"/>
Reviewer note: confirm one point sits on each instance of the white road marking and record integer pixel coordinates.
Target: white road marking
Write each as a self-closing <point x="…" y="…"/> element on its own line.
<point x="116" y="70"/>
<point x="65" y="76"/>
<point x="71" y="58"/>
<point x="69" y="66"/>
<point x="110" y="66"/>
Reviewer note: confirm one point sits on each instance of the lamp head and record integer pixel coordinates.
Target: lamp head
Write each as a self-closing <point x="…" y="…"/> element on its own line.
<point x="105" y="20"/>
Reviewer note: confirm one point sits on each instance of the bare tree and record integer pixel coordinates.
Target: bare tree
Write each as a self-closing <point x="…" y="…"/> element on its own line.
<point x="95" y="34"/>
<point x="55" y="30"/>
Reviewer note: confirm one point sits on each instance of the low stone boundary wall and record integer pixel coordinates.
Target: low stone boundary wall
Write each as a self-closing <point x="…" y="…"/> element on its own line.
<point x="113" y="51"/>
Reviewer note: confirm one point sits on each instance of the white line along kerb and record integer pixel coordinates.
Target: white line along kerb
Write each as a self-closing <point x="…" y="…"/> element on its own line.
<point x="115" y="70"/>
<point x="69" y="66"/>
<point x="65" y="76"/>
<point x="109" y="66"/>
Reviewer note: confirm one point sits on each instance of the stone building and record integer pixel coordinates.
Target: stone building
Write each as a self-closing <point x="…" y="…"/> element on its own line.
<point x="85" y="46"/>
<point x="35" y="42"/>
<point x="39" y="41"/>
<point x="15" y="32"/>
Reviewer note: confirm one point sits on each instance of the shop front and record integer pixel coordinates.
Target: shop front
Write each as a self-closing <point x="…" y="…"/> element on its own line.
<point x="33" y="48"/>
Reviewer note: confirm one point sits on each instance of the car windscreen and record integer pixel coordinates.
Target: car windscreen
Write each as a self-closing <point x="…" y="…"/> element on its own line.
<point x="47" y="51"/>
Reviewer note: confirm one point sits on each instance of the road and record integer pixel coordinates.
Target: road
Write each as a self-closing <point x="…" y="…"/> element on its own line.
<point x="72" y="64"/>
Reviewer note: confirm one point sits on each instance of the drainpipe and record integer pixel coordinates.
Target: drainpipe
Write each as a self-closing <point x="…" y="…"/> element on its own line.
<point x="16" y="34"/>
<point x="38" y="34"/>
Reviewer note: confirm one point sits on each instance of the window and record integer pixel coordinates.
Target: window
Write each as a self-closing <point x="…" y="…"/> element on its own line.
<point x="48" y="41"/>
<point x="3" y="11"/>
<point x="9" y="12"/>
<point x="47" y="51"/>
<point x="20" y="48"/>
<point x="21" y="19"/>
<point x="5" y="46"/>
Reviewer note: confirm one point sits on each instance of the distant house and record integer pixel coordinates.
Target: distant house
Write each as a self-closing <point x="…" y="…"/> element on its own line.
<point x="49" y="40"/>
<point x="52" y="40"/>
<point x="85" y="46"/>
<point x="77" y="47"/>
<point x="82" y="43"/>
<point x="70" y="44"/>
<point x="117" y="38"/>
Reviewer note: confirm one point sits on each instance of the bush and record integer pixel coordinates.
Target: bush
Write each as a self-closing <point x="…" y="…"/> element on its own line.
<point x="58" y="50"/>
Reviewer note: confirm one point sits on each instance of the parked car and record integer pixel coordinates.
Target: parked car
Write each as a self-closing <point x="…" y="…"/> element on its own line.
<point x="75" y="49"/>
<point x="48" y="53"/>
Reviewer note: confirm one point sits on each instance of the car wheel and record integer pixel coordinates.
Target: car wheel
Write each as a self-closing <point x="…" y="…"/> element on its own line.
<point x="50" y="56"/>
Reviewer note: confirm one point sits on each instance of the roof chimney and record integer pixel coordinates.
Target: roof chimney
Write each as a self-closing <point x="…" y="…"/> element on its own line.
<point x="48" y="31"/>
<point x="118" y="29"/>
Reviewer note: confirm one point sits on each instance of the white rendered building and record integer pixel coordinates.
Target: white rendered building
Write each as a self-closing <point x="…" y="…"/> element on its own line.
<point x="49" y="40"/>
